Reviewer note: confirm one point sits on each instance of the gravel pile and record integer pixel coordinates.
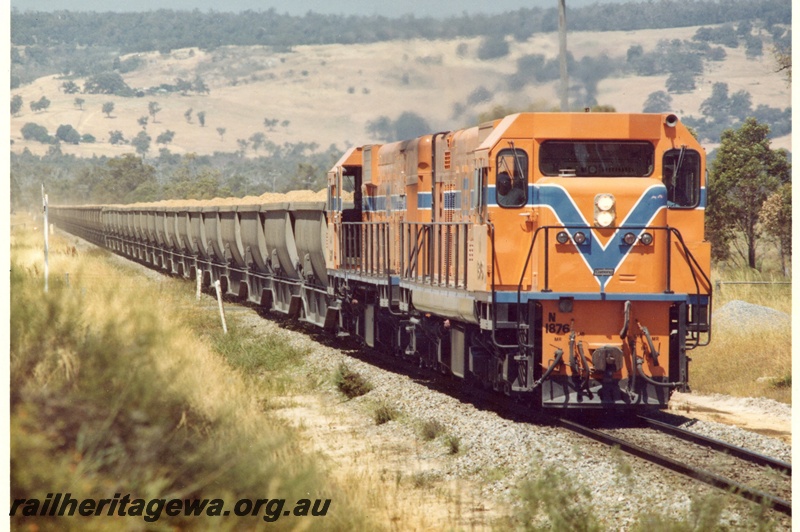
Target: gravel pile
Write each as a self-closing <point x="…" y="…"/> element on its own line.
<point x="490" y="443"/>
<point x="740" y="315"/>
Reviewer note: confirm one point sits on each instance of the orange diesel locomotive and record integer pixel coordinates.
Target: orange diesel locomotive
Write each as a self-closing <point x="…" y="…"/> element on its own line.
<point x="555" y="256"/>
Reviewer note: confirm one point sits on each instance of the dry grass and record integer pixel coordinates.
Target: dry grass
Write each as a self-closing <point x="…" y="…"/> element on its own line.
<point x="114" y="392"/>
<point x="745" y="361"/>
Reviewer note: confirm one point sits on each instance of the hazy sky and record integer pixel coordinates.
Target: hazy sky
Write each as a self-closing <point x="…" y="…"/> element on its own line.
<point x="389" y="8"/>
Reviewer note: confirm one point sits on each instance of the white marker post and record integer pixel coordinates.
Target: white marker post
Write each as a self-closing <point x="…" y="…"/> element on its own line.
<point x="221" y="310"/>
<point x="46" y="225"/>
<point x="199" y="283"/>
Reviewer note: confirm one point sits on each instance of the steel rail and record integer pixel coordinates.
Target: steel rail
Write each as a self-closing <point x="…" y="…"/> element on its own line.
<point x="712" y="479"/>
<point x="718" y="445"/>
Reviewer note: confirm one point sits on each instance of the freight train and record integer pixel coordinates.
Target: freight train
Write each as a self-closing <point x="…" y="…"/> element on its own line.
<point x="555" y="257"/>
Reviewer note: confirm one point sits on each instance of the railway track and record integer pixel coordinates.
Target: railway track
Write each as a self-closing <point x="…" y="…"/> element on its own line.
<point x="749" y="466"/>
<point x="769" y="467"/>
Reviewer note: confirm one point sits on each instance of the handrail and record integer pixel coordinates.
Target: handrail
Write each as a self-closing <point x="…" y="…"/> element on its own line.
<point x="438" y="246"/>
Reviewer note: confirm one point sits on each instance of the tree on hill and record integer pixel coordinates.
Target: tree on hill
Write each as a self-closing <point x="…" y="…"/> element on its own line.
<point x="153" y="108"/>
<point x="40" y="105"/>
<point x="142" y="143"/>
<point x="165" y="137"/>
<point x="744" y="174"/>
<point x="116" y="137"/>
<point x="79" y="103"/>
<point x="408" y="125"/>
<point x="70" y="87"/>
<point x="257" y="140"/>
<point x="658" y="102"/>
<point x="201" y="117"/>
<point x="188" y="115"/>
<point x="107" y="83"/>
<point x="31" y="131"/>
<point x="142" y="121"/>
<point x="493" y="47"/>
<point x="221" y="131"/>
<point x="16" y="104"/>
<point x="68" y="134"/>
<point x="108" y="108"/>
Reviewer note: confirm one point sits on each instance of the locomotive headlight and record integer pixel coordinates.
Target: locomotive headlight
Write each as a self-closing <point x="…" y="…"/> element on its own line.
<point x="605" y="202"/>
<point x="562" y="237"/>
<point x="604" y="211"/>
<point x="604" y="218"/>
<point x="646" y="239"/>
<point x="579" y="238"/>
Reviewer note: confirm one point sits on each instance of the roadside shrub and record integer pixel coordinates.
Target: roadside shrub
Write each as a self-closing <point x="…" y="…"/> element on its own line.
<point x="453" y="443"/>
<point x="350" y="383"/>
<point x="383" y="413"/>
<point x="431" y="429"/>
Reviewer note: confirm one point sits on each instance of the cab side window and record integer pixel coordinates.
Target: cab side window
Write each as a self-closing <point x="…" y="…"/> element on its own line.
<point x="511" y="184"/>
<point x="681" y="176"/>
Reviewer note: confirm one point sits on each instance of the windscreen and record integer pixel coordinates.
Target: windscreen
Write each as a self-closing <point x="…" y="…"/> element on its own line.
<point x="596" y="158"/>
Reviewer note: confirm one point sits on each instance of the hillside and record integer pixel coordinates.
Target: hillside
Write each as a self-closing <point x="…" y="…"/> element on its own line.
<point x="327" y="94"/>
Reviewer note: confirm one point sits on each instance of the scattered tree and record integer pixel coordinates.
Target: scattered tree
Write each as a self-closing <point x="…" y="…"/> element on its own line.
<point x="188" y="115"/>
<point x="79" y="103"/>
<point x="257" y="140"/>
<point x="31" y="131"/>
<point x="153" y="108"/>
<point x="201" y="117"/>
<point x="242" y="143"/>
<point x="493" y="47"/>
<point x="70" y="87"/>
<point x="199" y="86"/>
<point x="116" y="137"/>
<point x="142" y="121"/>
<point x="16" y="104"/>
<point x="783" y="58"/>
<point x="68" y="134"/>
<point x="107" y="83"/>
<point x="270" y="123"/>
<point x="108" y="108"/>
<point x="40" y="105"/>
<point x="744" y="174"/>
<point x="142" y="143"/>
<point x="221" y="131"/>
<point x="658" y="102"/>
<point x="681" y="81"/>
<point x="183" y="86"/>
<point x="776" y="219"/>
<point x="165" y="137"/>
<point x="408" y="125"/>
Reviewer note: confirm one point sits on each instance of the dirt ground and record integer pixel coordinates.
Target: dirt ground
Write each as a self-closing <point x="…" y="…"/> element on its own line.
<point x="743" y="413"/>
